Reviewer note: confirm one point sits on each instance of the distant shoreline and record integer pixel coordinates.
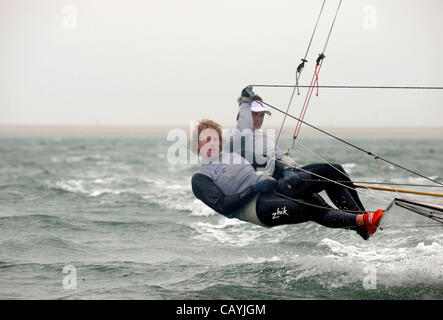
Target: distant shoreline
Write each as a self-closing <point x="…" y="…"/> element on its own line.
<point x="134" y="131"/>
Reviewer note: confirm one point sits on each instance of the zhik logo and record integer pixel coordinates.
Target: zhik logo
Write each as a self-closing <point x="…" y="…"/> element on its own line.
<point x="283" y="211"/>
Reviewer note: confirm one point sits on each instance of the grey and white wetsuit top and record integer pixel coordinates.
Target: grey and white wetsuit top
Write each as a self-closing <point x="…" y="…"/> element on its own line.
<point x="230" y="172"/>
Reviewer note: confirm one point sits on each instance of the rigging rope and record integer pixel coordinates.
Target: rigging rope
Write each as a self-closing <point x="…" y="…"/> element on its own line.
<point x="299" y="71"/>
<point x="373" y="193"/>
<point x="351" y="87"/>
<point x="381" y="183"/>
<point x="380" y="172"/>
<point x="333" y="181"/>
<point x="314" y="81"/>
<point x="330" y="30"/>
<point x="402" y="191"/>
<point x="353" y="145"/>
<point x="302" y="64"/>
<point x="319" y="206"/>
<point x="305" y="105"/>
<point x="356" y="186"/>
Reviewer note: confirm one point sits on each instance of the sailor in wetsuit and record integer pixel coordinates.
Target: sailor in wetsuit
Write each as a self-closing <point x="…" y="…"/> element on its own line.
<point x="226" y="182"/>
<point x="307" y="181"/>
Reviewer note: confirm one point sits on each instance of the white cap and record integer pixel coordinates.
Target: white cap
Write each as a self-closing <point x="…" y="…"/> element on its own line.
<point x="257" y="106"/>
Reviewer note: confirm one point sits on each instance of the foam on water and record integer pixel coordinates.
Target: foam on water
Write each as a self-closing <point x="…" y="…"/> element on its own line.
<point x="394" y="267"/>
<point x="230" y="232"/>
<point x="198" y="209"/>
<point x="88" y="188"/>
<point x="349" y="167"/>
<point x="170" y="194"/>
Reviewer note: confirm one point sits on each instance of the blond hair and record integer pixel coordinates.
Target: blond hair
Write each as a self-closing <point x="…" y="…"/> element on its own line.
<point x="204" y="124"/>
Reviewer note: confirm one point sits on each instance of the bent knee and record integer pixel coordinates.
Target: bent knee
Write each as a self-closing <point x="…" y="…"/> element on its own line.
<point x="338" y="167"/>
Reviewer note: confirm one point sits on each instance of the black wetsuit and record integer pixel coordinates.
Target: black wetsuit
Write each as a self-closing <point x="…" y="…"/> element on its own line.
<point x="274" y="210"/>
<point x="320" y="177"/>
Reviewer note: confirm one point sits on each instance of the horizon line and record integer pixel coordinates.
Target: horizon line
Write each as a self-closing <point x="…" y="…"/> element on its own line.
<point x="11" y="130"/>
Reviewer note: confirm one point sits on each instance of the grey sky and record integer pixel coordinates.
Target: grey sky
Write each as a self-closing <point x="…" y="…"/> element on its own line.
<point x="170" y="62"/>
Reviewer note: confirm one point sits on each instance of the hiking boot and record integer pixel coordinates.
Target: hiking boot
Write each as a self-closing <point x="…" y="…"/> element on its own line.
<point x="372" y="220"/>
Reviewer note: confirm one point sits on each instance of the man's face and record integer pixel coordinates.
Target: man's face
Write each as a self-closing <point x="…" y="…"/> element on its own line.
<point x="257" y="119"/>
<point x="209" y="143"/>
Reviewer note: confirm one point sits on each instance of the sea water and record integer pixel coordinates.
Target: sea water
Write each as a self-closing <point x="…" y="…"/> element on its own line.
<point x="112" y="218"/>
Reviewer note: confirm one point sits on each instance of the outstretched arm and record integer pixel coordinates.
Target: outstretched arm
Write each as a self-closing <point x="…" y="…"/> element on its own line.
<point x="244" y="117"/>
<point x="244" y="114"/>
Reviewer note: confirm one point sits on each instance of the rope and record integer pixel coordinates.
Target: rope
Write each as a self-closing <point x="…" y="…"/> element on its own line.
<point x="402" y="191"/>
<point x="373" y="193"/>
<point x="326" y="179"/>
<point x="318" y="206"/>
<point x="319" y="64"/>
<point x="332" y="26"/>
<point x="314" y="83"/>
<point x="302" y="64"/>
<point x="355" y="146"/>
<point x="304" y="107"/>
<point x="364" y="186"/>
<point x="313" y="32"/>
<point x="299" y="71"/>
<point x="337" y="182"/>
<point x="351" y="211"/>
<point x="384" y="177"/>
<point x="351" y="87"/>
<point x="381" y="183"/>
<point x="355" y="211"/>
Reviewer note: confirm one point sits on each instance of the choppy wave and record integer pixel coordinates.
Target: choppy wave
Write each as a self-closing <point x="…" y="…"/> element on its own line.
<point x="233" y="232"/>
<point x="392" y="266"/>
<point x="349" y="167"/>
<point x="226" y="231"/>
<point x="87" y="188"/>
<point x="199" y="209"/>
